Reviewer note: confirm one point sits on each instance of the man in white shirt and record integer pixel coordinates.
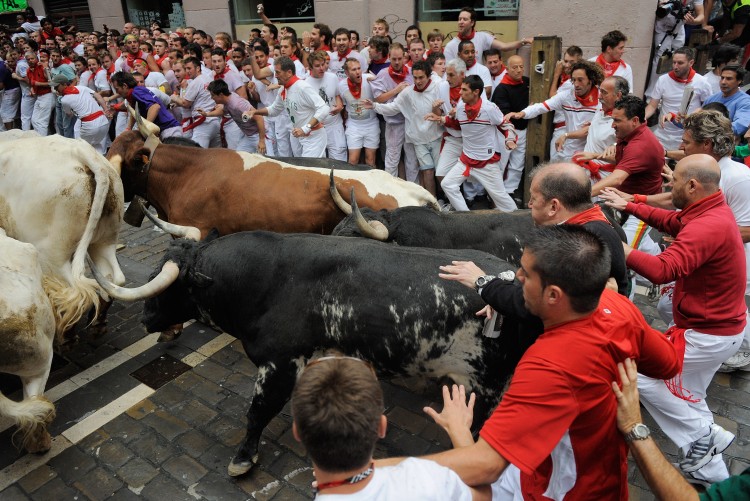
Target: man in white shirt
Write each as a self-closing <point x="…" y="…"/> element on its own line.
<point x="203" y="130"/>
<point x="467" y="52"/>
<point x="343" y="52"/>
<point x="467" y="21"/>
<point x="326" y="84"/>
<point x="610" y="59"/>
<point x="362" y="126"/>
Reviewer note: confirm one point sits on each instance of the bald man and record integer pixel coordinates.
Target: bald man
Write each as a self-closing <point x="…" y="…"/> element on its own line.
<point x="512" y="95"/>
<point x="707" y="263"/>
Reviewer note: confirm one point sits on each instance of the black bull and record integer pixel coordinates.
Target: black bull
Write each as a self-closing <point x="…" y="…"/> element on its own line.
<point x="289" y="298"/>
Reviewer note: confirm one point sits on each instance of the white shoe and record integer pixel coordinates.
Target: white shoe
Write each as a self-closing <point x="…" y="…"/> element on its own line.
<point x="740" y="361"/>
<point x="705" y="448"/>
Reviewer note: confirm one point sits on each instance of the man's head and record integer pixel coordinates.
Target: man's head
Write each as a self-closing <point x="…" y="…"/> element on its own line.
<point x="682" y="61"/>
<point x="143" y="34"/>
<point x="320" y="35"/>
<point x="553" y="286"/>
<point x="416" y="50"/>
<point x="396" y="55"/>
<point x="628" y="114"/>
<point x="493" y="59"/>
<point x="420" y="72"/>
<point x="218" y="60"/>
<point x="192" y="67"/>
<point x="436" y="60"/>
<point x="128" y="28"/>
<point x="59" y="82"/>
<point x="435" y="41"/>
<point x="132" y="45"/>
<point x="515" y="67"/>
<point x="709" y="133"/>
<point x="695" y="177"/>
<point x="337" y="408"/>
<point x="471" y="89"/>
<point x="55" y="56"/>
<point x="93" y="64"/>
<point x="613" y="45"/>
<point x="160" y="46"/>
<point x="47" y="25"/>
<point x="467" y="52"/>
<point x="341" y="40"/>
<point x="317" y="63"/>
<point x="260" y="53"/>
<point x="557" y="192"/>
<point x="238" y="55"/>
<point x="353" y="70"/>
<point x="412" y="32"/>
<point x="269" y="32"/>
<point x="140" y="80"/>
<point x="611" y="90"/>
<point x="141" y="66"/>
<point x="378" y="47"/>
<point x="123" y="82"/>
<point x="219" y="91"/>
<point x="287" y="47"/>
<point x="70" y="40"/>
<point x="726" y="54"/>
<point x="50" y="43"/>
<point x="585" y="75"/>
<point x="731" y="79"/>
<point x="455" y="69"/>
<point x="284" y="69"/>
<point x="380" y="28"/>
<point x="179" y="70"/>
<point x="200" y="37"/>
<point x="467" y="19"/>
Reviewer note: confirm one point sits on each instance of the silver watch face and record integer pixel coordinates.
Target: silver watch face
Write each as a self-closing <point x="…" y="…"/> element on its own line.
<point x="639" y="432"/>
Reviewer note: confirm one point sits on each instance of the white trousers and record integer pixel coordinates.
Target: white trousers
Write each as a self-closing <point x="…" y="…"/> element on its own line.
<point x="516" y="163"/>
<point x="395" y="140"/>
<point x="9" y="105"/>
<point x="42" y="111"/>
<point x="682" y="421"/>
<point x="451" y="150"/>
<point x="248" y="143"/>
<point x="554" y="155"/>
<point x="490" y="176"/>
<point x="670" y="139"/>
<point x="121" y="122"/>
<point x="27" y="110"/>
<point x="336" y="142"/>
<point x="207" y="134"/>
<point x="283" y="132"/>
<point x="233" y="134"/>
<point x="314" y="144"/>
<point x="95" y="133"/>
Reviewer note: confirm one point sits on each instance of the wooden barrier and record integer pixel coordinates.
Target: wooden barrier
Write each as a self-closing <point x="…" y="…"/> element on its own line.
<point x="700" y="38"/>
<point x="545" y="51"/>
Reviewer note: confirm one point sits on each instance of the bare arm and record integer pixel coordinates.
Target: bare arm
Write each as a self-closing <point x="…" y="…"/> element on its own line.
<point x="651" y="108"/>
<point x="152" y="112"/>
<point x="497" y="44"/>
<point x="614" y="180"/>
<point x="745" y="233"/>
<point x="261" y="123"/>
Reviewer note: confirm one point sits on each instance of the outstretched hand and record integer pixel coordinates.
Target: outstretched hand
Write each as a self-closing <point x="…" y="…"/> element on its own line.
<point x="457" y="414"/>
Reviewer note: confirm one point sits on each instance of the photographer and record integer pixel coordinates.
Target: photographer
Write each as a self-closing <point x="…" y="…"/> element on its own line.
<point x="669" y="30"/>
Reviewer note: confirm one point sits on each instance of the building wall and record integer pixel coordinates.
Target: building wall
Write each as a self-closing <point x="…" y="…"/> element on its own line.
<point x="107" y="12"/>
<point x="583" y="22"/>
<point x="208" y="15"/>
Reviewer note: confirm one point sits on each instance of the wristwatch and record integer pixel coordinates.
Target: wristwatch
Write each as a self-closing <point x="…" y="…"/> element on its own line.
<point x="480" y="282"/>
<point x="639" y="432"/>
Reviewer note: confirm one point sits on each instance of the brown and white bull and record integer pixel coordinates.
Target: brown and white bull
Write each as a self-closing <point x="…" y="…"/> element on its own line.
<point x="235" y="191"/>
<point x="27" y="329"/>
<point x="64" y="198"/>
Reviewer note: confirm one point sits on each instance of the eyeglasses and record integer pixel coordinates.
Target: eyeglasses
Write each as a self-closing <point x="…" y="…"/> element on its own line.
<point x="316" y="361"/>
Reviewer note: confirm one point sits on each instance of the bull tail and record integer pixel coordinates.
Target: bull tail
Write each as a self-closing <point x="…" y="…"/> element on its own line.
<point x="31" y="415"/>
<point x="70" y="306"/>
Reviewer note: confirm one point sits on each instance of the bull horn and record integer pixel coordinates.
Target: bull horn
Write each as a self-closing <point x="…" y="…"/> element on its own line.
<point x="146" y="128"/>
<point x="340" y="202"/>
<point x="166" y="277"/>
<point x="179" y="231"/>
<point x="370" y="229"/>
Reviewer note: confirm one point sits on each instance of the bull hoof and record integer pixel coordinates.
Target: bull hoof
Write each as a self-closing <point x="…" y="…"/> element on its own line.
<point x="40" y="442"/>
<point x="167" y="336"/>
<point x="237" y="468"/>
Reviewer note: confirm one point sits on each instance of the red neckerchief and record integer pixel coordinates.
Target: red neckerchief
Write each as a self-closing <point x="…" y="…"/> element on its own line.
<point x="342" y="57"/>
<point x="593" y="214"/>
<point x="379" y="61"/>
<point x="397" y="77"/>
<point x="455" y="95"/>
<point x="65" y="60"/>
<point x="472" y="110"/>
<point x="356" y="91"/>
<point x="472" y="65"/>
<point x="221" y="75"/>
<point x="110" y="70"/>
<point x="294" y="58"/>
<point x="289" y="83"/>
<point x="470" y="36"/>
<point x="682" y="80"/>
<point x="130" y="58"/>
<point x="509" y="81"/>
<point x="502" y="68"/>
<point x="161" y="59"/>
<point x="591" y="98"/>
<point x="564" y="78"/>
<point x="70" y="89"/>
<point x="324" y="47"/>
<point x="130" y="97"/>
<point x="429" y="81"/>
<point x="609" y="68"/>
<point x="409" y="63"/>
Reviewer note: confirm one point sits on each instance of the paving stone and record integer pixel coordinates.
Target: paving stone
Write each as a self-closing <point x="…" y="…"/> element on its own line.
<point x="268" y="452"/>
<point x="288" y="441"/>
<point x="187" y="381"/>
<point x="406" y="420"/>
<point x="194" y="412"/>
<point x="113" y="454"/>
<point x="137" y="472"/>
<point x="166" y="424"/>
<point x="124" y="428"/>
<point x="54" y="489"/>
<point x="170" y="396"/>
<point x="217" y="458"/>
<point x="164" y="488"/>
<point x="234" y="406"/>
<point x="184" y="469"/>
<point x="195" y="442"/>
<point x="94" y="439"/>
<point x="14" y="493"/>
<point x="259" y="484"/>
<point x="215" y="487"/>
<point x="241" y="384"/>
<point x="226" y="431"/>
<point x="210" y="392"/>
<point x="301" y="477"/>
<point x="153" y="447"/>
<point x="124" y="494"/>
<point x="35" y="479"/>
<point x="276" y="428"/>
<point x="141" y="409"/>
<point x="72" y="464"/>
<point x="287" y="494"/>
<point x="212" y="371"/>
<point x="98" y="484"/>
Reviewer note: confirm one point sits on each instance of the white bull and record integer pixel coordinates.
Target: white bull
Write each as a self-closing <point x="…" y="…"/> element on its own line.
<point x="66" y="199"/>
<point x="27" y="329"/>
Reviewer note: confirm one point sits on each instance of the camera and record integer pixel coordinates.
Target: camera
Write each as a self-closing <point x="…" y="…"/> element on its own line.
<point x="673" y="8"/>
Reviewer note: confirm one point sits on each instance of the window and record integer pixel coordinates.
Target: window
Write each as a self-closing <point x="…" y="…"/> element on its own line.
<point x="289" y="11"/>
<point x="447" y="10"/>
<point x="168" y="13"/>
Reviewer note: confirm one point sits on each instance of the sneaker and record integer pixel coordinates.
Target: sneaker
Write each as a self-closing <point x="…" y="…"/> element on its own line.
<point x="704" y="449"/>
<point x="445" y="206"/>
<point x="740" y="361"/>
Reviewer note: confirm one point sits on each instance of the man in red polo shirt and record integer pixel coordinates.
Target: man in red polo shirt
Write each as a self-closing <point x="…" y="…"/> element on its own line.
<point x="639" y="160"/>
<point x="709" y="314"/>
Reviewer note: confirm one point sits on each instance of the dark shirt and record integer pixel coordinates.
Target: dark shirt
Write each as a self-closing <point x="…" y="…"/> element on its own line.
<point x="740" y="16"/>
<point x="641" y="155"/>
<point x="144" y="99"/>
<point x="512" y="98"/>
<point x="6" y="77"/>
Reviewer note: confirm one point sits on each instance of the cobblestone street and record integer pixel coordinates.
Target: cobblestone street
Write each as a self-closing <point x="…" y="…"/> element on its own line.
<point x="161" y="421"/>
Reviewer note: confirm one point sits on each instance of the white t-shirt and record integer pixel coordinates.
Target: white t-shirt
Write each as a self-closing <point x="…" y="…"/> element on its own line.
<point x="359" y="116"/>
<point x="482" y="42"/>
<point x="327" y="88"/>
<point x="336" y="65"/>
<point x="411" y="480"/>
<point x="735" y="183"/>
<point x="156" y="80"/>
<point x="99" y="82"/>
<point x="198" y="94"/>
<point x="482" y="72"/>
<point x="601" y="135"/>
<point x="713" y="80"/>
<point x="301" y="103"/>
